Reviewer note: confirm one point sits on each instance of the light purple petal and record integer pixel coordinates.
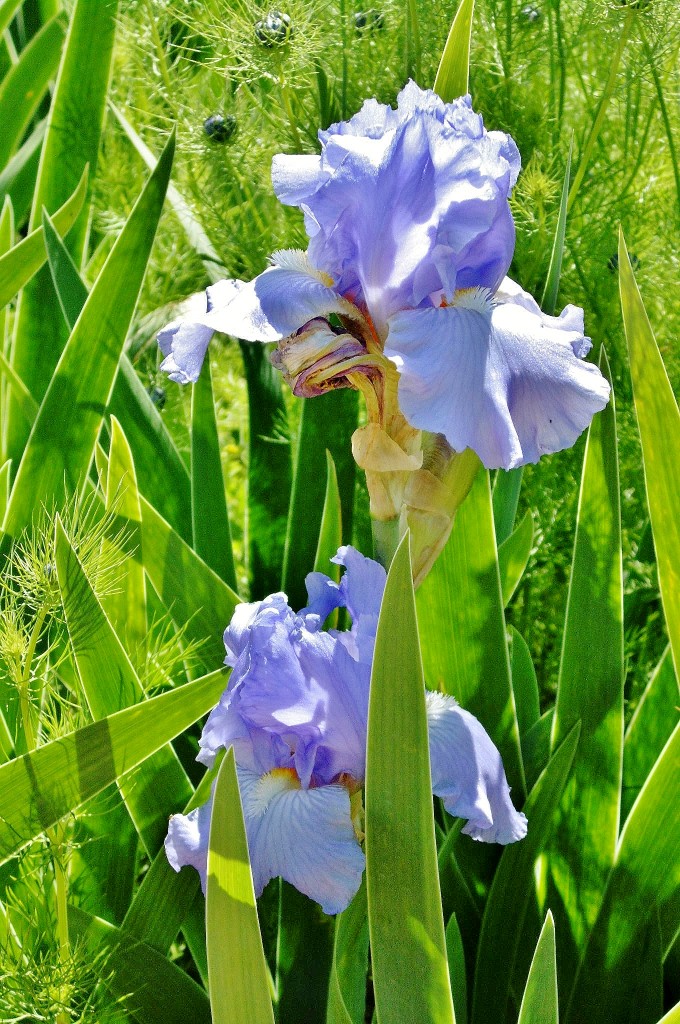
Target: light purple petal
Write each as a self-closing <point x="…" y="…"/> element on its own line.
<point x="276" y="304"/>
<point x="187" y="840"/>
<point x="185" y="341"/>
<point x="403" y="202"/>
<point x="501" y="378"/>
<point x="304" y="835"/>
<point x="467" y="773"/>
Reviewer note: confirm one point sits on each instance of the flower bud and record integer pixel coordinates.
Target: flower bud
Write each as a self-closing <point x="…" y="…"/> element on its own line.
<point x="274" y="30"/>
<point x="368" y="21"/>
<point x="219" y="128"/>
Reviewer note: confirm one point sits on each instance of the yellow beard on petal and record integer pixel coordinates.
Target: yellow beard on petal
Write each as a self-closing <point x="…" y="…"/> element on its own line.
<point x="277" y="781"/>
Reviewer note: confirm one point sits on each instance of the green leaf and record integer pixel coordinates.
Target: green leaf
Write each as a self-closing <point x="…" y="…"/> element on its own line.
<point x="126" y="606"/>
<point x="71" y="142"/>
<point x="302" y="994"/>
<point x="157" y="990"/>
<point x="24" y="85"/>
<point x="42" y="787"/>
<point x="4" y="485"/>
<point x="536" y="746"/>
<point x="326" y="425"/>
<point x="22" y="261"/>
<point x="7" y="11"/>
<point x="645" y="880"/>
<point x="64" y="435"/>
<point x="239" y="978"/>
<point x="470" y="657"/>
<point x="210" y="519"/>
<point x="513" y="555"/>
<point x="659" y="425"/>
<point x="672" y="1017"/>
<point x="590" y="687"/>
<point x="653" y="722"/>
<point x="506" y="488"/>
<point x="17" y="178"/>
<point x="347" y="988"/>
<point x="552" y="281"/>
<point x="162" y="475"/>
<point x="539" y="1003"/>
<point x="410" y="972"/>
<point x="513" y="889"/>
<point x="524" y="685"/>
<point x="454" y="68"/>
<point x="330" y="532"/>
<point x="456" y="957"/>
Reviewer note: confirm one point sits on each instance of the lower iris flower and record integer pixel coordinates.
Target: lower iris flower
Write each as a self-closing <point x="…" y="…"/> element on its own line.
<point x="295" y="712"/>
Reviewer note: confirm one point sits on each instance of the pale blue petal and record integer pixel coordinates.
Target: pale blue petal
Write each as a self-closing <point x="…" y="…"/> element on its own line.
<point x="503" y="379"/>
<point x="305" y="836"/>
<point x="184" y="342"/>
<point x="187" y="840"/>
<point x="467" y="773"/>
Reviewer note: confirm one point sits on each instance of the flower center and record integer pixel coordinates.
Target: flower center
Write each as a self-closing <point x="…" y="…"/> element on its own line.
<point x="277" y="781"/>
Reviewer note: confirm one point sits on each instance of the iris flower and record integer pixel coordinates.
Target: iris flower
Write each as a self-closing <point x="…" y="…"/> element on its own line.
<point x="403" y="293"/>
<point x="295" y="712"/>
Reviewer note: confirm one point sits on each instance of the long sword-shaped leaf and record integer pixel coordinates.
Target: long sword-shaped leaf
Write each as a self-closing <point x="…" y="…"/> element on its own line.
<point x="152" y="989"/>
<point x="7" y="11"/>
<point x="552" y="282"/>
<point x="469" y="657"/>
<point x="410" y="971"/>
<point x="524" y="684"/>
<point x="24" y="85"/>
<point x="347" y="988"/>
<point x="163" y="476"/>
<point x="659" y="424"/>
<point x="453" y="73"/>
<point x="22" y="261"/>
<point x="330" y="531"/>
<point x="590" y="687"/>
<point x="17" y="178"/>
<point x="648" y="730"/>
<point x="512" y="891"/>
<point x="645" y="880"/>
<point x="239" y="983"/>
<point x="210" y="519"/>
<point x="160" y="786"/>
<point x="71" y="142"/>
<point x="63" y="437"/>
<point x="40" y="788"/>
<point x="539" y="1003"/>
<point x="513" y="555"/>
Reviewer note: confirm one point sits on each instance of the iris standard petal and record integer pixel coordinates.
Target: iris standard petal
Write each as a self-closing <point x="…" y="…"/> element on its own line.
<point x="499" y="378"/>
<point x="467" y="773"/>
<point x="304" y="835"/>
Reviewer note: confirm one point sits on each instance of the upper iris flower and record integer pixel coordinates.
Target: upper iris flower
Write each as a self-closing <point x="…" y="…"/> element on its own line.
<point x="295" y="712"/>
<point x="403" y="294"/>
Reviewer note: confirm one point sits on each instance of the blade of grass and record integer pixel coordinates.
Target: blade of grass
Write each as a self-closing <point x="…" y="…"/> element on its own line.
<point x="453" y="73"/>
<point x="239" y="978"/>
<point x="410" y="971"/>
<point x="659" y="425"/>
<point x="63" y="437"/>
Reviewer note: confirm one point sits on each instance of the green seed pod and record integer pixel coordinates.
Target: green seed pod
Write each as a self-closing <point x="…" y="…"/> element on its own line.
<point x="274" y="30"/>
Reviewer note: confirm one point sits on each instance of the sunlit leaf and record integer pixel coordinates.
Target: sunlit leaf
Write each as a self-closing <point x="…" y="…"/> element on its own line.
<point x="239" y="979"/>
<point x="513" y="555"/>
<point x="539" y="1003"/>
<point x="453" y="72"/>
<point x="408" y="949"/>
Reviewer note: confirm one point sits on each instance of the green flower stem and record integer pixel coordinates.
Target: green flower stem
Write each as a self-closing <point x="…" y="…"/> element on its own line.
<point x="385" y="539"/>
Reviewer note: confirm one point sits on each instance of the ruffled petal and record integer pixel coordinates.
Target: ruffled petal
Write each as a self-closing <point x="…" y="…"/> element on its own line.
<point x="187" y="840"/>
<point x="402" y="202"/>
<point x="467" y="773"/>
<point x="185" y="341"/>
<point x="276" y="304"/>
<point x="304" y="835"/>
<point x="501" y="378"/>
